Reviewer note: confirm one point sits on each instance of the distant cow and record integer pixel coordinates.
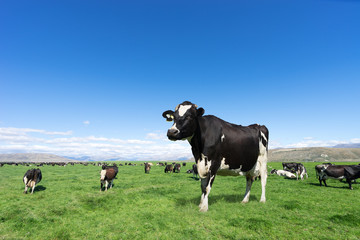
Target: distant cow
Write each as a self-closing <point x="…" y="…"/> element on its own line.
<point x="147" y="168"/>
<point x="107" y="176"/>
<point x="220" y="147"/>
<point x="297" y="168"/>
<point x="177" y="168"/>
<point x="338" y="172"/>
<point x="168" y="168"/>
<point x="31" y="178"/>
<point x="283" y="173"/>
<point x="195" y="171"/>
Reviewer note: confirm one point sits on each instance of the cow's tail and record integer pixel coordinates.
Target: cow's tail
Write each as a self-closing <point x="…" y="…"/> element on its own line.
<point x="264" y="137"/>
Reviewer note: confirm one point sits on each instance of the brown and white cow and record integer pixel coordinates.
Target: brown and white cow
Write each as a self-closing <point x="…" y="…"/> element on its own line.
<point x="31" y="178"/>
<point x="107" y="176"/>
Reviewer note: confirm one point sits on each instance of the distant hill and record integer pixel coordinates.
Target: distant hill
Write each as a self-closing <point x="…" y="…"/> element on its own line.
<point x="351" y="145"/>
<point x="33" y="157"/>
<point x="315" y="154"/>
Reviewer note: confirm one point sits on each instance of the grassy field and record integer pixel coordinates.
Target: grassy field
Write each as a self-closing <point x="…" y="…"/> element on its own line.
<point x="67" y="204"/>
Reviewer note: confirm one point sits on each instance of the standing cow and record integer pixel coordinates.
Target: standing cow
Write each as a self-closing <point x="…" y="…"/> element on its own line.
<point x="107" y="176"/>
<point x="31" y="178"/>
<point x="147" y="167"/>
<point x="220" y="147"/>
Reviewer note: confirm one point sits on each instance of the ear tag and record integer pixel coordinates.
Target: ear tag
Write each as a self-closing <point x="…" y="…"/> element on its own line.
<point x="169" y="117"/>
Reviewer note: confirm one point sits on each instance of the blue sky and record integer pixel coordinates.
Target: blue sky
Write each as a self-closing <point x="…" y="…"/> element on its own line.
<point x="93" y="77"/>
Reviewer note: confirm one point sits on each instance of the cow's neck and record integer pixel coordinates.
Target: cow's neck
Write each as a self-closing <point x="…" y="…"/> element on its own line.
<point x="196" y="143"/>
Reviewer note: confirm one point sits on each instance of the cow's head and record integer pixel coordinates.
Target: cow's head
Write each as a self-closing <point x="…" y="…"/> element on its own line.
<point x="185" y="120"/>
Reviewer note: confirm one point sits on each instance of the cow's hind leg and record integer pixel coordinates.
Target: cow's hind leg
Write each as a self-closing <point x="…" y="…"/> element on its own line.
<point x="349" y="182"/>
<point x="249" y="182"/>
<point x="206" y="184"/>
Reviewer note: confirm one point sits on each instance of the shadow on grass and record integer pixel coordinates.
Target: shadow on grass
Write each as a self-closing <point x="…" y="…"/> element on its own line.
<point x="329" y="186"/>
<point x="39" y="188"/>
<point x="232" y="198"/>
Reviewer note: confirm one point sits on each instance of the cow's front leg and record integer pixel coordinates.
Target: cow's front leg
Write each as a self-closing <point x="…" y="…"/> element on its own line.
<point x="206" y="184"/>
<point x="249" y="182"/>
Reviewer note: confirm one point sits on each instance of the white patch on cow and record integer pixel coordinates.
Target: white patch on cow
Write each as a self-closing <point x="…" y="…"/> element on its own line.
<point x="204" y="202"/>
<point x="224" y="165"/>
<point x="174" y="127"/>
<point x="222" y="138"/>
<point x="260" y="169"/>
<point x="25" y="180"/>
<point x="225" y="170"/>
<point x="183" y="109"/>
<point x="203" y="168"/>
<point x="263" y="135"/>
<point x="102" y="174"/>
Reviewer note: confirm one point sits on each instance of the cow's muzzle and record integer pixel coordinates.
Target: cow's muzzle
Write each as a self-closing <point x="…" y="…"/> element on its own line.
<point x="173" y="134"/>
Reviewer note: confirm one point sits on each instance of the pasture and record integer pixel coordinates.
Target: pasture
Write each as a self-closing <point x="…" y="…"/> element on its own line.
<point x="67" y="204"/>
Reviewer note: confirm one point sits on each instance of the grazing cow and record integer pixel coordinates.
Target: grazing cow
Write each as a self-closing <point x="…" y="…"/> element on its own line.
<point x="147" y="168"/>
<point x="220" y="147"/>
<point x="31" y="178"/>
<point x="338" y="172"/>
<point x="283" y="173"/>
<point x="107" y="176"/>
<point x="177" y="168"/>
<point x="168" y="168"/>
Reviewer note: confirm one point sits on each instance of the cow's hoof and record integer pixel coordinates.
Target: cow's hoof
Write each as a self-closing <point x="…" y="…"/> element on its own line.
<point x="262" y="200"/>
<point x="203" y="209"/>
<point x="244" y="201"/>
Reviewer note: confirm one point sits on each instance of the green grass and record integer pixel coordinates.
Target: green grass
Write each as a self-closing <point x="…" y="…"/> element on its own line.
<point x="67" y="204"/>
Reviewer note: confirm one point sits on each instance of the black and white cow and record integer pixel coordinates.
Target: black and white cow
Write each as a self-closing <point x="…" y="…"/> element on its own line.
<point x="297" y="168"/>
<point x="107" y="176"/>
<point x="31" y="178"/>
<point x="283" y="173"/>
<point x="338" y="172"/>
<point x="351" y="173"/>
<point x="220" y="147"/>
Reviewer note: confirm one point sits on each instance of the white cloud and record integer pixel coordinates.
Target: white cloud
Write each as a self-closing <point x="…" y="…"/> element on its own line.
<point x="154" y="146"/>
<point x="14" y="140"/>
<point x="87" y="122"/>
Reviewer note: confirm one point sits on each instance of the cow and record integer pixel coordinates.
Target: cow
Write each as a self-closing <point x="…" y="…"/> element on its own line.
<point x="168" y="168"/>
<point x="147" y="167"/>
<point x="284" y="173"/>
<point x="31" y="178"/>
<point x="177" y="168"/>
<point x="107" y="176"/>
<point x="297" y="168"/>
<point x="338" y="172"/>
<point x="195" y="171"/>
<point x="220" y="147"/>
<point x="351" y="173"/>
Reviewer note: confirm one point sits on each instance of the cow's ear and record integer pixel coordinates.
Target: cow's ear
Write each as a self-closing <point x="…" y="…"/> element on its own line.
<point x="169" y="115"/>
<point x="200" y="112"/>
